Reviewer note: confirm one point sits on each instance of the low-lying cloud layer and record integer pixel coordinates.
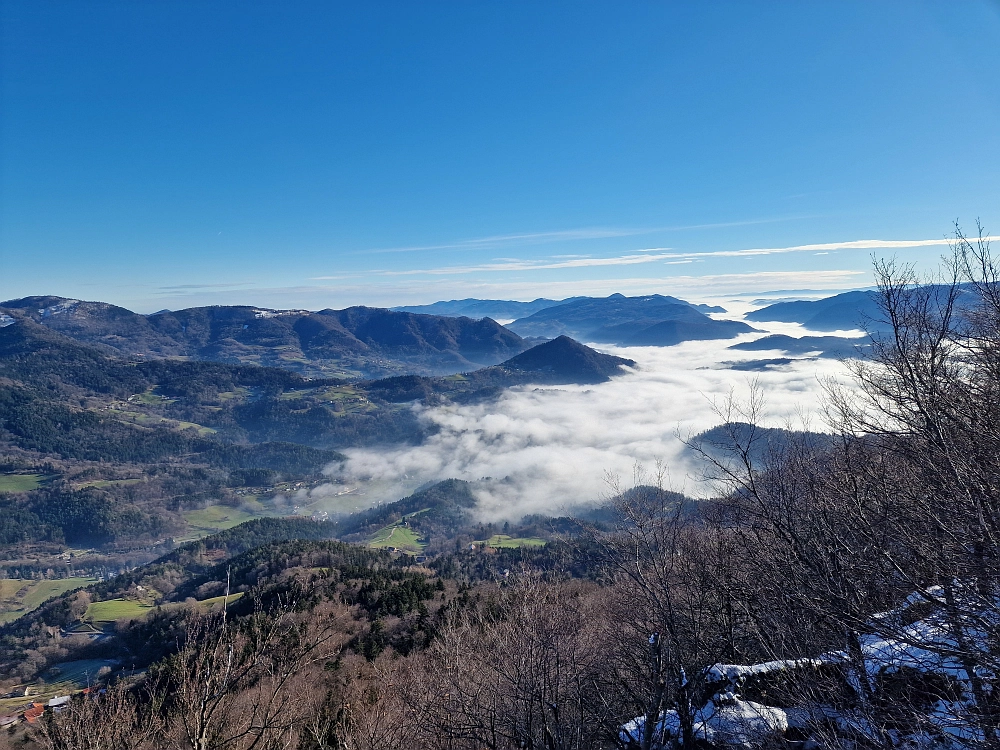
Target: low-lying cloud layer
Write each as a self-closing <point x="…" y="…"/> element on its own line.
<point x="553" y="446"/>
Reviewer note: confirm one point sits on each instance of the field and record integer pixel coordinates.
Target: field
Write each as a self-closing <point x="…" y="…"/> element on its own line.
<point x="399" y="536"/>
<point x="19" y="596"/>
<point x="502" y="540"/>
<point x="205" y="521"/>
<point x="209" y="603"/>
<point x="154" y="420"/>
<point x="151" y="399"/>
<point x="78" y="673"/>
<point x="21" y="482"/>
<point x="104" y="613"/>
<point x="343" y="398"/>
<point x="238" y="393"/>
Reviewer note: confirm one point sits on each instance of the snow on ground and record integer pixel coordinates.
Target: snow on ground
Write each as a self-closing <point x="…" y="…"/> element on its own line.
<point x="924" y="647"/>
<point x="729" y="721"/>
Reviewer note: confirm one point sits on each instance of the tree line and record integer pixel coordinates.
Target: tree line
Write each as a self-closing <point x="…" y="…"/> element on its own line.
<point x="814" y="551"/>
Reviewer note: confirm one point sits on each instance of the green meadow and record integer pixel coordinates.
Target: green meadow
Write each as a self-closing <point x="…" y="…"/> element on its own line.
<point x="19" y="596"/>
<point x="21" y="482"/>
<point x="502" y="540"/>
<point x="104" y="613"/>
<point x="402" y="537"/>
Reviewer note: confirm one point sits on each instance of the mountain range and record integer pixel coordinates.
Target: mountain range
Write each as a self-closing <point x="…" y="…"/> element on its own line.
<point x="561" y="361"/>
<point x="650" y="320"/>
<point x="842" y="312"/>
<point x="356" y="341"/>
<point x="498" y="309"/>
<point x="119" y="452"/>
<point x="367" y="342"/>
<point x="834" y="347"/>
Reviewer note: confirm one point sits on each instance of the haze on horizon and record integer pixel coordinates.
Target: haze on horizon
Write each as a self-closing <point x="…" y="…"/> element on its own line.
<point x="316" y="155"/>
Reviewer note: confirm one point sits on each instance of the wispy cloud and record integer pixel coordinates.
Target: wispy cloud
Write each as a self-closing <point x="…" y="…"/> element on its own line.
<point x="526" y="238"/>
<point x="410" y="290"/>
<point x="531" y="265"/>
<point x="851" y="245"/>
<point x="186" y="287"/>
<point x="567" y="235"/>
<point x="651" y="255"/>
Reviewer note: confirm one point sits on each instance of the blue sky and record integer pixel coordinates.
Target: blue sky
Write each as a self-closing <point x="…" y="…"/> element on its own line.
<point x="169" y="154"/>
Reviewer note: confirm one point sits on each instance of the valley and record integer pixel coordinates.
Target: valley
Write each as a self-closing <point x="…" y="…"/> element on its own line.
<point x="140" y="479"/>
<point x="122" y="444"/>
<point x="499" y="376"/>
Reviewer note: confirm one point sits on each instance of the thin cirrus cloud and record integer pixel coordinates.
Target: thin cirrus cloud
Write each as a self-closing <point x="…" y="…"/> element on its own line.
<point x="192" y="287"/>
<point x="529" y="238"/>
<point x="564" y="235"/>
<point x="652" y="255"/>
<point x="414" y="290"/>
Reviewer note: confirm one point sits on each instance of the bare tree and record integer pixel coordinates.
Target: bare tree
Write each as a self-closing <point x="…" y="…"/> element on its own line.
<point x="529" y="667"/>
<point x="231" y="677"/>
<point x="902" y="503"/>
<point x="673" y="598"/>
<point x="118" y="718"/>
<point x="364" y="710"/>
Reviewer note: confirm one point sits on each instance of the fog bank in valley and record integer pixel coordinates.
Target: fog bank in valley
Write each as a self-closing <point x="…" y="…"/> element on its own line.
<point x="546" y="449"/>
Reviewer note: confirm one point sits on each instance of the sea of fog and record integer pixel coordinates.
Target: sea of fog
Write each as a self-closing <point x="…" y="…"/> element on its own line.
<point x="544" y="449"/>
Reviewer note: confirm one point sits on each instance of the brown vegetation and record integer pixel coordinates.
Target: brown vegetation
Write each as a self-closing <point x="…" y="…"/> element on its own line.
<point x="814" y="547"/>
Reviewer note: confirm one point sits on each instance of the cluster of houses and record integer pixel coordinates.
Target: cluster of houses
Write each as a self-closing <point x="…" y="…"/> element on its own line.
<point x="36" y="709"/>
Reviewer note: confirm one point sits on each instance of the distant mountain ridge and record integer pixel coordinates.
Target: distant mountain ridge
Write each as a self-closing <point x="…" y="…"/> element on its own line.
<point x="841" y="312"/>
<point x="650" y="320"/>
<point x="835" y="347"/>
<point x="513" y="310"/>
<point x="851" y="310"/>
<point x="498" y="309"/>
<point x="561" y="361"/>
<point x="356" y="341"/>
<point x="564" y="360"/>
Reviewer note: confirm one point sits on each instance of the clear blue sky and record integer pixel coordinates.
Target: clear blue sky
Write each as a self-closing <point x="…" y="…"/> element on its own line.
<point x="293" y="154"/>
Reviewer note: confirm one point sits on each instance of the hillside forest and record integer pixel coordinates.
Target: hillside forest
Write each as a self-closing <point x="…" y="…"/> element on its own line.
<point x="837" y="590"/>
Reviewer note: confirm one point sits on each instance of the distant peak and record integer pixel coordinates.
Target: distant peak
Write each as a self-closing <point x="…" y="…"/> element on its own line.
<point x="568" y="360"/>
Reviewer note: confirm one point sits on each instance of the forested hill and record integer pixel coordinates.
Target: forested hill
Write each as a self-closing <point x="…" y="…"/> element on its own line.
<point x="124" y="454"/>
<point x="440" y="505"/>
<point x="561" y="361"/>
<point x="357" y="341"/>
<point x="564" y="360"/>
<point x="650" y="320"/>
<point x="851" y="310"/>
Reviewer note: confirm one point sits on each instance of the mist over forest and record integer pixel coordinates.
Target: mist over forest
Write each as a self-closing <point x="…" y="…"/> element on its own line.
<point x="499" y="376"/>
<point x="552" y="446"/>
<point x="745" y="537"/>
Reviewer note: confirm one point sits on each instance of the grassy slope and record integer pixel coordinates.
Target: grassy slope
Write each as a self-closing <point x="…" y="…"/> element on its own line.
<point x="103" y="613"/>
<point x="107" y="483"/>
<point x="402" y="537"/>
<point x="502" y="540"/>
<point x="35" y="592"/>
<point x="20" y="482"/>
<point x="209" y="603"/>
<point x="214" y="518"/>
